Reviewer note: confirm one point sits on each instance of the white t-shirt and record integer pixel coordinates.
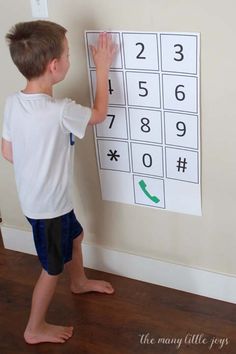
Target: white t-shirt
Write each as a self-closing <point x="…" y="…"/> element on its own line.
<point x="39" y="127"/>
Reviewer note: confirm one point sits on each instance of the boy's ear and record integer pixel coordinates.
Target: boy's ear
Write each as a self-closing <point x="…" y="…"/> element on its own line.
<point x="52" y="65"/>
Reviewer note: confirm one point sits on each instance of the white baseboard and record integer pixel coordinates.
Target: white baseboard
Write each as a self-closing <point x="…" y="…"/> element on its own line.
<point x="192" y="280"/>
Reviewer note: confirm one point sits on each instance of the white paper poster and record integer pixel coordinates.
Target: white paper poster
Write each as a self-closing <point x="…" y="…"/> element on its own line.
<point x="148" y="148"/>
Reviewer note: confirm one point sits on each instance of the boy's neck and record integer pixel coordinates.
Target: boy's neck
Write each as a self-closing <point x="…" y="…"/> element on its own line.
<point x="38" y="86"/>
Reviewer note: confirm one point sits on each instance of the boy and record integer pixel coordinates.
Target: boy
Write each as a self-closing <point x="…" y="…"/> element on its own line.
<point x="36" y="138"/>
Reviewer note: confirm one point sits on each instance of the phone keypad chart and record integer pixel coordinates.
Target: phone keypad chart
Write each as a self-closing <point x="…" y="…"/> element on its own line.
<point x="148" y="147"/>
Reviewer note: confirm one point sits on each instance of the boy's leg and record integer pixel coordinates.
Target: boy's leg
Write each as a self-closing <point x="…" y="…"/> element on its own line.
<point x="37" y="329"/>
<point x="79" y="282"/>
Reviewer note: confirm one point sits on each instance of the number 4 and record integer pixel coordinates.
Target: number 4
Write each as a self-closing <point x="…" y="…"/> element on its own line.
<point x="110" y="89"/>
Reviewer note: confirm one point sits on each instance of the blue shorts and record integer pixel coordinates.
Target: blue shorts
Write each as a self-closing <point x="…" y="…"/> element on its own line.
<point x="53" y="239"/>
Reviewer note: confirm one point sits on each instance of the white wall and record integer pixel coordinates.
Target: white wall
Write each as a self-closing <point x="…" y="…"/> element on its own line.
<point x="206" y="242"/>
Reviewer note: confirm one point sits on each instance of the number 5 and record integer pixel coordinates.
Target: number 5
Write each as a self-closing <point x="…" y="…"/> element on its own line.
<point x="141" y="83"/>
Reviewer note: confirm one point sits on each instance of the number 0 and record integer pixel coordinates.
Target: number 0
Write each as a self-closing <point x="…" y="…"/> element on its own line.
<point x="147" y="160"/>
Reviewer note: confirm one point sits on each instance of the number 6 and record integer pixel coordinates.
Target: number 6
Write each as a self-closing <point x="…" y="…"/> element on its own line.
<point x="180" y="95"/>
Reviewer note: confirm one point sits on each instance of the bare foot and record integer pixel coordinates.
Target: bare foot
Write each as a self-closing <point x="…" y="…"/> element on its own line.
<point x="48" y="333"/>
<point x="88" y="285"/>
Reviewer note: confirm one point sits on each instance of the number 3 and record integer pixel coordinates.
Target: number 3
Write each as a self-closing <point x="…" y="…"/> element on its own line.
<point x="180" y="52"/>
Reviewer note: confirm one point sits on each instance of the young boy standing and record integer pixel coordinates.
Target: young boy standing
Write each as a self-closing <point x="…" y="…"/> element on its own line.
<point x="36" y="138"/>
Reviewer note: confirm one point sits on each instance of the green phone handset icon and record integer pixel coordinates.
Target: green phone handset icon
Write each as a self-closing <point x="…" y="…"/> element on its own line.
<point x="143" y="186"/>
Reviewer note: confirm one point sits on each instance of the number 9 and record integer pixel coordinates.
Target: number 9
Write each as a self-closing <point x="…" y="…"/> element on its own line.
<point x="181" y="127"/>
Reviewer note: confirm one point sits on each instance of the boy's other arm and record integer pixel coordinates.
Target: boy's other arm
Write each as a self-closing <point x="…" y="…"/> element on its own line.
<point x="7" y="150"/>
<point x="103" y="56"/>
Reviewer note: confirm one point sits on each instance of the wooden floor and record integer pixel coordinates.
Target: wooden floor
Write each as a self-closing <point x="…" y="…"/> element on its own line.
<point x="138" y="318"/>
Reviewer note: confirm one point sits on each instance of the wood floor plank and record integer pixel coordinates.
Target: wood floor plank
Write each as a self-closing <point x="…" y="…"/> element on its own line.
<point x="123" y="323"/>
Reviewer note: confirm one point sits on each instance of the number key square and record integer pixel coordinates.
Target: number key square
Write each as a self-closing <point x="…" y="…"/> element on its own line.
<point x="182" y="165"/>
<point x="140" y="51"/>
<point x="143" y="89"/>
<point x="181" y="129"/>
<point x="145" y="125"/>
<point x="92" y="37"/>
<point x="115" y="89"/>
<point x="179" y="53"/>
<point x="149" y="191"/>
<point x="115" y="125"/>
<point x="180" y="93"/>
<point x="147" y="159"/>
<point x="113" y="155"/>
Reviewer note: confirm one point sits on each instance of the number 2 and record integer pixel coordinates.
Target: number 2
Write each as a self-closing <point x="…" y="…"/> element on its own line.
<point x="141" y="51"/>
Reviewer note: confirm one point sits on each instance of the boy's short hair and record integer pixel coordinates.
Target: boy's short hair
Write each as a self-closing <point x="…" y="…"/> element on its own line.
<point x="34" y="44"/>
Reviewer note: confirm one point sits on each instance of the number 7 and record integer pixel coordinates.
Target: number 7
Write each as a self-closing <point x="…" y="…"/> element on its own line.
<point x="112" y="119"/>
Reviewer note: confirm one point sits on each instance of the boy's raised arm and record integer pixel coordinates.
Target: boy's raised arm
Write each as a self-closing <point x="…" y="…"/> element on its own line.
<point x="103" y="56"/>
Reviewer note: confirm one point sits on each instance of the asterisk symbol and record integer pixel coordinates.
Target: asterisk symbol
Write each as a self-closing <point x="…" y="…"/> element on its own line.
<point x="113" y="155"/>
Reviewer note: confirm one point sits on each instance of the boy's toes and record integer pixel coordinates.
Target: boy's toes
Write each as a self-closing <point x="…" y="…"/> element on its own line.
<point x="108" y="288"/>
